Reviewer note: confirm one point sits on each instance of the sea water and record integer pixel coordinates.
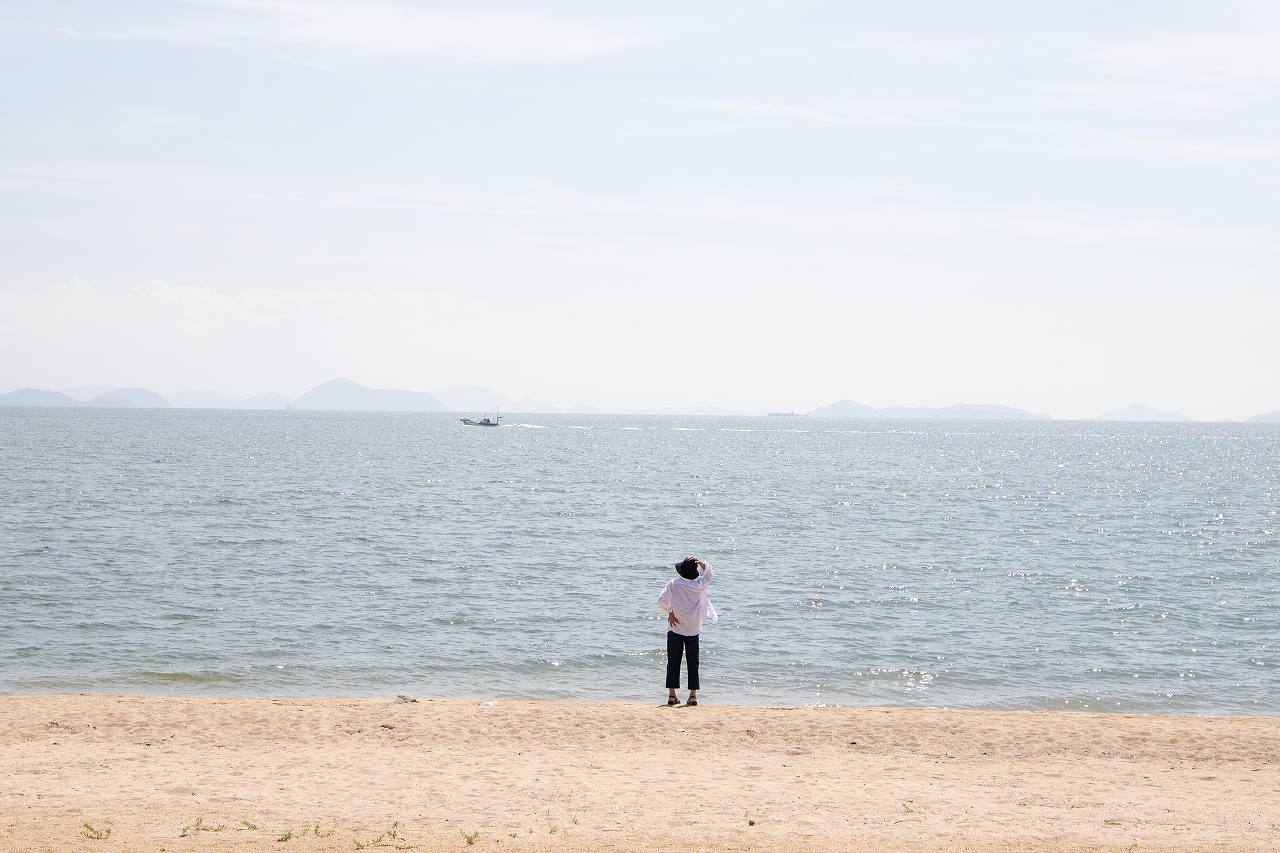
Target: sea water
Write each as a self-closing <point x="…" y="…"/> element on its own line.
<point x="1019" y="565"/>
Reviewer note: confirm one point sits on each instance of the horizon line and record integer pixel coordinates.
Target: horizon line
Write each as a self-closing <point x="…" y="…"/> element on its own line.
<point x="892" y="412"/>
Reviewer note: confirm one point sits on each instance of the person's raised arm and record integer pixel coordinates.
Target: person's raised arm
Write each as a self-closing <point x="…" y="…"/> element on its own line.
<point x="707" y="574"/>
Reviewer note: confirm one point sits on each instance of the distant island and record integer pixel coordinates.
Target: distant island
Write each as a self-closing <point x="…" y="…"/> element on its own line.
<point x="38" y="397"/>
<point x="340" y="395"/>
<point x="130" y="398"/>
<point x="138" y="398"/>
<point x="346" y="395"/>
<point x="120" y="398"/>
<point x="216" y="400"/>
<point x="343" y="395"/>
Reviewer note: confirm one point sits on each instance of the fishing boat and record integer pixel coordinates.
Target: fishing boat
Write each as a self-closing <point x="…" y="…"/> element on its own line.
<point x="496" y="420"/>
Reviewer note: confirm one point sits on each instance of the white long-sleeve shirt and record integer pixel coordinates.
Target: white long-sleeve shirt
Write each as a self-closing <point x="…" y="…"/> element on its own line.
<point x="689" y="601"/>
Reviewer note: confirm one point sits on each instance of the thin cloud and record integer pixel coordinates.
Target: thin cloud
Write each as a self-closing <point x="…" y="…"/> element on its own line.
<point x="1184" y="150"/>
<point x="467" y="35"/>
<point x="1124" y="98"/>
<point x="884" y="219"/>
<point x="1182" y="73"/>
<point x="888" y="112"/>
<point x="485" y="36"/>
<point x="795" y="111"/>
<point x="1195" y="58"/>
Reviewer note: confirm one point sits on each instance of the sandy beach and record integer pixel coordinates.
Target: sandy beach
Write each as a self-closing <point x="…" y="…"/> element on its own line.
<point x="177" y="774"/>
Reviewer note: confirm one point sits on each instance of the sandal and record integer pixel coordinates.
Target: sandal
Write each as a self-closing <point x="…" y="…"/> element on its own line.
<point x="671" y="700"/>
<point x="692" y="702"/>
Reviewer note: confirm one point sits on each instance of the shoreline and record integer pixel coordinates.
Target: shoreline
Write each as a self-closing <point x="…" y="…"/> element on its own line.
<point x="385" y="696"/>
<point x="232" y="773"/>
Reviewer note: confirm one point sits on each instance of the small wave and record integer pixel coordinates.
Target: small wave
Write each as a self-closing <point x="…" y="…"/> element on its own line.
<point x="178" y="617"/>
<point x="690" y="429"/>
<point x="218" y="540"/>
<point x="529" y="426"/>
<point x="204" y="677"/>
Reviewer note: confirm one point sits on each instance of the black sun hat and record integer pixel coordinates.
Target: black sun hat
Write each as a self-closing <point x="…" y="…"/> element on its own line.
<point x="688" y="568"/>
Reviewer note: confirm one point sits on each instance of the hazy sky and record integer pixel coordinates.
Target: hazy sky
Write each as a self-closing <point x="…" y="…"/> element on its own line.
<point x="1067" y="207"/>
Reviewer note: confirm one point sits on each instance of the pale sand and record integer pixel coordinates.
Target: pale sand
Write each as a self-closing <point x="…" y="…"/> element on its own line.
<point x="616" y="776"/>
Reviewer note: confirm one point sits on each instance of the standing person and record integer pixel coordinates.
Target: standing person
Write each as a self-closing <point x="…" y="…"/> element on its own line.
<point x="684" y="600"/>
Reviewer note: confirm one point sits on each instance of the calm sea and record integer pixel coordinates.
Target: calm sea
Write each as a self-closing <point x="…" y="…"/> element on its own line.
<point x="1125" y="567"/>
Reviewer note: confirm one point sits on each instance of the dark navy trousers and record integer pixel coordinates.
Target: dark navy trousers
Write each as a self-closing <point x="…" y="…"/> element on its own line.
<point x="678" y="644"/>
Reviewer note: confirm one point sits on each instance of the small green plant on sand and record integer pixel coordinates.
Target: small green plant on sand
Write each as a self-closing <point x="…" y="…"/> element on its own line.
<point x="200" y="826"/>
<point x="470" y="838"/>
<point x="380" y="840"/>
<point x="315" y="830"/>
<point x="96" y="834"/>
<point x="750" y="822"/>
<point x="244" y="824"/>
<point x="286" y="835"/>
<point x="554" y="829"/>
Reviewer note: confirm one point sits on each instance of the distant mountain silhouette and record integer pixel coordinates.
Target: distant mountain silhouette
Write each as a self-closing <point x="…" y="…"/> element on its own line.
<point x="189" y="399"/>
<point x="38" y="397"/>
<point x="270" y="400"/>
<point x="343" y="395"/>
<point x="1138" y="412"/>
<point x="846" y="409"/>
<point x="121" y="398"/>
<point x="219" y="400"/>
<point x="138" y="398"/>
<point x="958" y="411"/>
<point x="1268" y="418"/>
<point x="988" y="411"/>
<point x="85" y="392"/>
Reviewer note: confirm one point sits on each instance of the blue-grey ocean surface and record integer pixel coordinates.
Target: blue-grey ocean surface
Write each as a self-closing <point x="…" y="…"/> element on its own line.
<point x="1117" y="567"/>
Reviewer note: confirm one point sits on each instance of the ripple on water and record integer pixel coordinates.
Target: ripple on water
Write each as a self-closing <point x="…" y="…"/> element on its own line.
<point x="1118" y="567"/>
